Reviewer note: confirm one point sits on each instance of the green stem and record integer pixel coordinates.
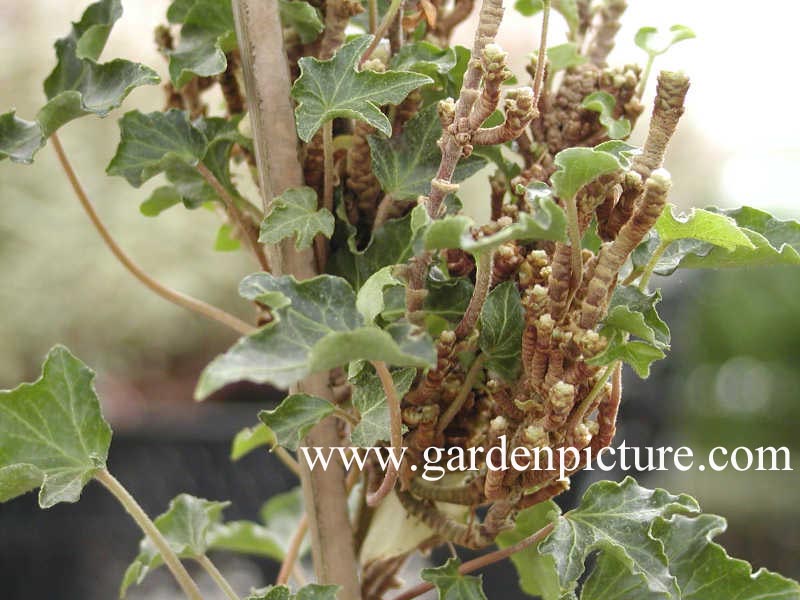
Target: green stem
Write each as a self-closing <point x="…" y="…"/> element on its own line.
<point x="391" y="13"/>
<point x="149" y="528"/>
<point x="320" y="243"/>
<point x="580" y="412"/>
<point x="645" y="75"/>
<point x="463" y="393"/>
<point x="372" y="6"/>
<point x="540" y="63"/>
<point x="218" y="577"/>
<point x="651" y="264"/>
<point x="483" y="280"/>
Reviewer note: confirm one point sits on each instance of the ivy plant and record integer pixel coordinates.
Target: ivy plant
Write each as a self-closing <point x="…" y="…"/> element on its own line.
<point x="390" y="316"/>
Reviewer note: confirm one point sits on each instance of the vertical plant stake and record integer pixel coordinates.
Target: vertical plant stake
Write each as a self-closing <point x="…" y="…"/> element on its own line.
<point x="392" y="318"/>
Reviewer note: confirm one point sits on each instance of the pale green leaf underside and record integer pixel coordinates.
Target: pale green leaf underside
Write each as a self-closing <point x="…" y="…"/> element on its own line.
<point x="52" y="434"/>
<point x="316" y="327"/>
<point x="294" y="417"/>
<point x="295" y="213"/>
<point x="334" y="88"/>
<point x="250" y="438"/>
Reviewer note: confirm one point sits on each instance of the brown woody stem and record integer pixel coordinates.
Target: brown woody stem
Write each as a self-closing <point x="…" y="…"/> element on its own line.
<point x="292" y="552"/>
<point x="483" y="281"/>
<point x="395" y="430"/>
<point x="182" y="300"/>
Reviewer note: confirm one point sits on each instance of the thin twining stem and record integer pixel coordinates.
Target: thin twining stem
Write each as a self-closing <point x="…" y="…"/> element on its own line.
<point x="197" y="306"/>
<point x="538" y="79"/>
<point x="218" y="577"/>
<point x="293" y="551"/>
<point x="124" y="497"/>
<point x="395" y="430"/>
<point x="245" y="227"/>
<point x="483" y="281"/>
<point x="287" y="459"/>
<point x="390" y="15"/>
<point x="463" y="393"/>
<point x="482" y="561"/>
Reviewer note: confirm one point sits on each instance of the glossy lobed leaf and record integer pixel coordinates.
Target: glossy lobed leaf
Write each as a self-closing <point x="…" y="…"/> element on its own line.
<point x="406" y="164"/>
<point x="651" y="41"/>
<point x="312" y="591"/>
<point x="316" y="327"/>
<point x="207" y="34"/>
<point x="604" y="103"/>
<point x="250" y="438"/>
<point x="579" y="166"/>
<point x="502" y="322"/>
<point x="52" y="433"/>
<point x="295" y="213"/>
<point x="702" y="568"/>
<point x="280" y="516"/>
<point x="335" y="88"/>
<point x="616" y="518"/>
<point x="78" y="85"/>
<point x="546" y="222"/>
<point x="185" y="525"/>
<point x="452" y="585"/>
<point x="369" y="399"/>
<point x="294" y="417"/>
<point x="303" y="18"/>
<point x="537" y="572"/>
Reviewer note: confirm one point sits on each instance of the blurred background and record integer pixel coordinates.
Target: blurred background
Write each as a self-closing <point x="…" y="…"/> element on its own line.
<point x="731" y="379"/>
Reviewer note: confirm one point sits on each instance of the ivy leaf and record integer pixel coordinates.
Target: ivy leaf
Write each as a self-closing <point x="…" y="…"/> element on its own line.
<point x="250" y="438"/>
<point x="501" y="322"/>
<point x="702" y="225"/>
<point x="294" y="417"/>
<point x="185" y="525"/>
<point x="335" y="88"/>
<point x="452" y="585"/>
<point x="564" y="56"/>
<point x="150" y="143"/>
<point x="370" y="299"/>
<point x="638" y="354"/>
<point x="78" y="85"/>
<point x="370" y="401"/>
<point x="445" y="302"/>
<point x="537" y="572"/>
<point x="312" y="591"/>
<point x="162" y="198"/>
<point x="702" y="568"/>
<point x="178" y="9"/>
<point x="316" y="327"/>
<point x="52" y="434"/>
<point x="426" y="59"/>
<point x="567" y="8"/>
<point x="604" y="103"/>
<point x="279" y="517"/>
<point x="616" y="518"/>
<point x="405" y="165"/>
<point x="579" y="166"/>
<point x="633" y="312"/>
<point x="303" y="18"/>
<point x="649" y="39"/>
<point x="206" y="35"/>
<point x="546" y="222"/>
<point x="225" y="240"/>
<point x="295" y="213"/>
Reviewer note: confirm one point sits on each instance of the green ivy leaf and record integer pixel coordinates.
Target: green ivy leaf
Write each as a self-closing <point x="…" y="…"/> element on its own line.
<point x="702" y="225"/>
<point x="564" y="56"/>
<point x="405" y="165"/>
<point x="579" y="166"/>
<point x="225" y="240"/>
<point x="701" y="567"/>
<point x="303" y="18"/>
<point x="294" y="417"/>
<point x="78" y="85"/>
<point x="335" y="88"/>
<point x="280" y="517"/>
<point x="312" y="591"/>
<point x="604" y="103"/>
<point x="52" y="434"/>
<point x="250" y="438"/>
<point x="162" y="198"/>
<point x="649" y="39"/>
<point x="546" y="222"/>
<point x="316" y="327"/>
<point x="206" y="35"/>
<point x="370" y="298"/>
<point x="426" y="59"/>
<point x="616" y="518"/>
<point x="185" y="525"/>
<point x="452" y="585"/>
<point x="446" y="300"/>
<point x="567" y="8"/>
<point x="537" y="572"/>
<point x="370" y="401"/>
<point x="295" y="213"/>
<point x="501" y="323"/>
